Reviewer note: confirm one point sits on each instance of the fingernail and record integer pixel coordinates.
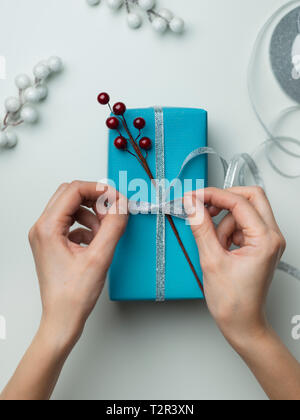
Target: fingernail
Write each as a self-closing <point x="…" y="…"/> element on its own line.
<point x="194" y="208"/>
<point x="123" y="205"/>
<point x="189" y="204"/>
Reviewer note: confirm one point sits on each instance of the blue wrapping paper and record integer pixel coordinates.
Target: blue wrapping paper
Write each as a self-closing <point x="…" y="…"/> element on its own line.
<point x="133" y="272"/>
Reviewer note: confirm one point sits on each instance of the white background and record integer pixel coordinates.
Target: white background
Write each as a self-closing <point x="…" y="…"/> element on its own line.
<point x="133" y="350"/>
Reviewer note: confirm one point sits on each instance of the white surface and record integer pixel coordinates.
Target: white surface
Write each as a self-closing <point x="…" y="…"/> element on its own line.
<point x="131" y="351"/>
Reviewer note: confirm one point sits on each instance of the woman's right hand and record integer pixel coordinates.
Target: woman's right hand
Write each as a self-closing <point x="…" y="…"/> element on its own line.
<point x="72" y="276"/>
<point x="236" y="281"/>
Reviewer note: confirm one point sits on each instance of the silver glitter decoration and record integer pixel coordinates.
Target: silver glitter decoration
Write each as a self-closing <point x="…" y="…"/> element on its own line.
<point x="160" y="198"/>
<point x="173" y="208"/>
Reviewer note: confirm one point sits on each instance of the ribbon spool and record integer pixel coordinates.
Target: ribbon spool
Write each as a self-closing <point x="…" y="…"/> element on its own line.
<point x="280" y="36"/>
<point x="285" y="47"/>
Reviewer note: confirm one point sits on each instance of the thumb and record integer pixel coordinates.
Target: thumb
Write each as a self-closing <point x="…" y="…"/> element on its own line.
<point x="111" y="230"/>
<point x="202" y="226"/>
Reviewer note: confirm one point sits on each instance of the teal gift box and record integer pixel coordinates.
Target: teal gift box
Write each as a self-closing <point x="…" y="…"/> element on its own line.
<point x="134" y="274"/>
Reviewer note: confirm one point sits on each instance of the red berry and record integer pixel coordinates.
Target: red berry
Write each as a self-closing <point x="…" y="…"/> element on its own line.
<point x="139" y="123"/>
<point x="119" y="108"/>
<point x="145" y="143"/>
<point x="112" y="123"/>
<point x="120" y="143"/>
<point x="103" y="98"/>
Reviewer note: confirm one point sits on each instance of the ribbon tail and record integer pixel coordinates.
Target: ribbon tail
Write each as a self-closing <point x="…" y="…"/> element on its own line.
<point x="289" y="269"/>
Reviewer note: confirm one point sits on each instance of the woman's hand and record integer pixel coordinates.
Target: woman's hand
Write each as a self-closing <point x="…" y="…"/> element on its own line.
<point x="71" y="276"/>
<point x="237" y="281"/>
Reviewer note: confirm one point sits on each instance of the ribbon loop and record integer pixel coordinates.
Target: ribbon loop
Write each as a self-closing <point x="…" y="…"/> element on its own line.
<point x="175" y="208"/>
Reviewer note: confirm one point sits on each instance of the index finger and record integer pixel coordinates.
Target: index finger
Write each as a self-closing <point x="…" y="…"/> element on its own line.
<point x="55" y="196"/>
<point x="243" y="212"/>
<point x="71" y="198"/>
<point x="258" y="198"/>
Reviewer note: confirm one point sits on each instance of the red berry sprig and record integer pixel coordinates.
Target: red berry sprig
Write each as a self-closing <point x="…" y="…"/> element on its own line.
<point x="113" y="123"/>
<point x="145" y="144"/>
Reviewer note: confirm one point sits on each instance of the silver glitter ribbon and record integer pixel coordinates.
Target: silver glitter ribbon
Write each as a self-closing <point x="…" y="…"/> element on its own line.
<point x="160" y="198"/>
<point x="234" y="174"/>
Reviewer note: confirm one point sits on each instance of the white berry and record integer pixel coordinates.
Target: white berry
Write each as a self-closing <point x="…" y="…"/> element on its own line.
<point x="32" y="95"/>
<point x="177" y="25"/>
<point x="55" y="64"/>
<point x="22" y="81"/>
<point x="29" y="114"/>
<point x="12" y="104"/>
<point x="3" y="139"/>
<point x="93" y="2"/>
<point x="166" y="14"/>
<point x="114" y="4"/>
<point x="147" y="4"/>
<point x="160" y="25"/>
<point x="134" y="20"/>
<point x="41" y="71"/>
<point x="12" y="139"/>
<point x="42" y="91"/>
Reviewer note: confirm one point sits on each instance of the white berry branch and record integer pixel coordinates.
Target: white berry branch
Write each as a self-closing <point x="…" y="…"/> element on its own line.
<point x="20" y="109"/>
<point x="161" y="20"/>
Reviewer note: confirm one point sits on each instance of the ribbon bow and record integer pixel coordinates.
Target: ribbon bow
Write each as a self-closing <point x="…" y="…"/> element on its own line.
<point x="234" y="171"/>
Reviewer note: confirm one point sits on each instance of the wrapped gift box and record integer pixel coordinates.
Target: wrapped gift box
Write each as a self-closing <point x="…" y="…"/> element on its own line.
<point x="133" y="275"/>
